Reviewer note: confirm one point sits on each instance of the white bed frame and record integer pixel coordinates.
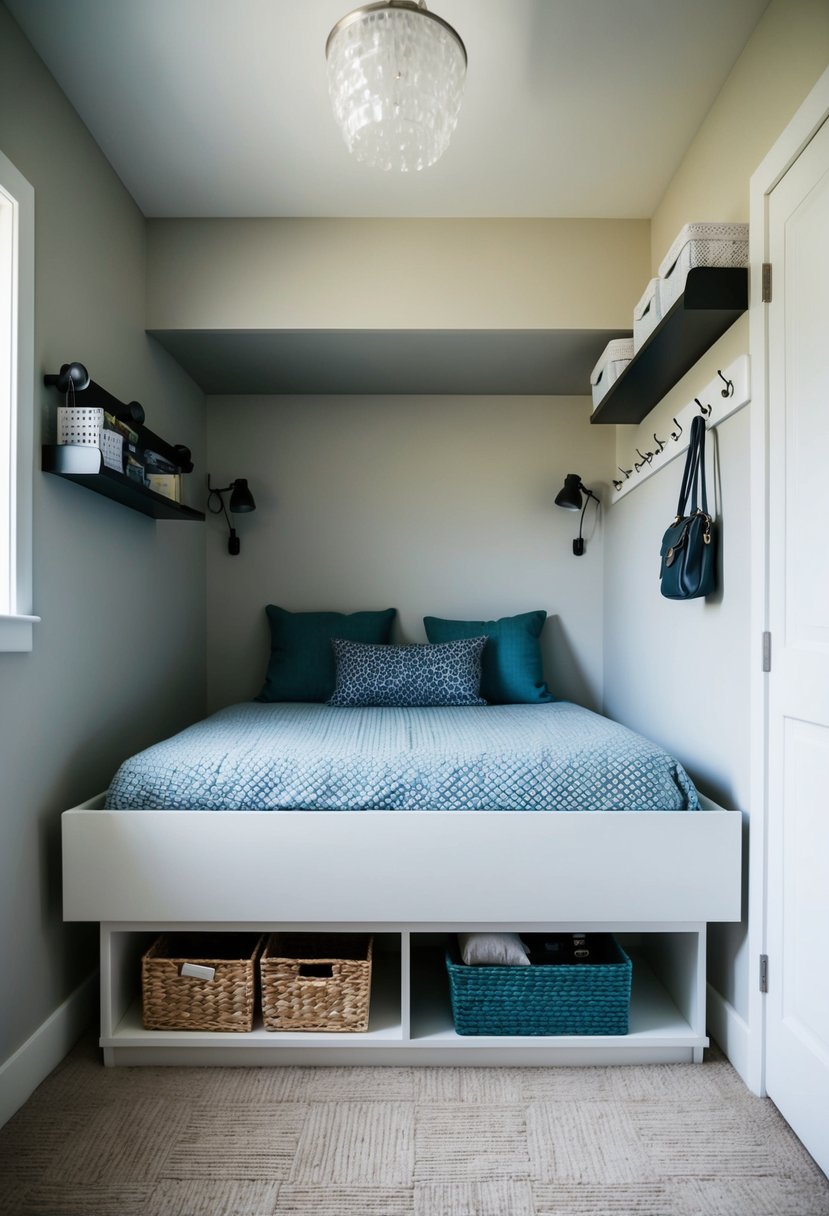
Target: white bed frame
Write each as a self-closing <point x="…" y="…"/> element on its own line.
<point x="653" y="878"/>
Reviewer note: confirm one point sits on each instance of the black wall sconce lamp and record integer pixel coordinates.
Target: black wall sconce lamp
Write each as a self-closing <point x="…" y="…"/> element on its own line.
<point x="241" y="500"/>
<point x="570" y="498"/>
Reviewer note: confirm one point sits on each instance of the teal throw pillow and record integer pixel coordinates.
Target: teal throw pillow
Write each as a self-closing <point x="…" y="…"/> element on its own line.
<point x="446" y="674"/>
<point x="512" y="672"/>
<point x="302" y="666"/>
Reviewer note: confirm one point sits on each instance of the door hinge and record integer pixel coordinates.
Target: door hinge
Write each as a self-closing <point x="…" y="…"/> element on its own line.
<point x="766" y="651"/>
<point x="764" y="973"/>
<point x="766" y="289"/>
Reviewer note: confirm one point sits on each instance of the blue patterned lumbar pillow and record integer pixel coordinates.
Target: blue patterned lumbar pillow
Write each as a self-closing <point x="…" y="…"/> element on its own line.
<point x="446" y="674"/>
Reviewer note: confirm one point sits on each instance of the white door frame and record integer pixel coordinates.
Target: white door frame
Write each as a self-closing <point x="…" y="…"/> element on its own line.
<point x="810" y="116"/>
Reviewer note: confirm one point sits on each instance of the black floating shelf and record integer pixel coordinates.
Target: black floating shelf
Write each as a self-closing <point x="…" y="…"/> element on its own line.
<point x="713" y="299"/>
<point x="85" y="466"/>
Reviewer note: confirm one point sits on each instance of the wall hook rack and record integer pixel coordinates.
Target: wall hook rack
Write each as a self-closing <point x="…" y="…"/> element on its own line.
<point x="725" y="404"/>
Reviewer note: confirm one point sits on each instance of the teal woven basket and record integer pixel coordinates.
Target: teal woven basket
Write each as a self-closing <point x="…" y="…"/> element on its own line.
<point x="548" y="999"/>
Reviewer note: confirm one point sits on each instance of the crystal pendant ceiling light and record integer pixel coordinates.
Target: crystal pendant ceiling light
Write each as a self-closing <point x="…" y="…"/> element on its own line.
<point x="395" y="75"/>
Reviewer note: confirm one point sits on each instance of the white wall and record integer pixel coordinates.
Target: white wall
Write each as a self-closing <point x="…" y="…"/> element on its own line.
<point x="118" y="660"/>
<point x="434" y="505"/>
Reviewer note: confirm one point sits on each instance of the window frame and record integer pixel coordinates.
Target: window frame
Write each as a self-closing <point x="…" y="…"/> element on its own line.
<point x="17" y="199"/>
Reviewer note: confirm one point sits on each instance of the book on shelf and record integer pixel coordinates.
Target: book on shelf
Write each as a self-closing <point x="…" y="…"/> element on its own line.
<point x="168" y="484"/>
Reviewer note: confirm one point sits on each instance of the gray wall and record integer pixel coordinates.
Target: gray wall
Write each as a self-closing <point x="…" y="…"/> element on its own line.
<point x="434" y="505"/>
<point x="118" y="660"/>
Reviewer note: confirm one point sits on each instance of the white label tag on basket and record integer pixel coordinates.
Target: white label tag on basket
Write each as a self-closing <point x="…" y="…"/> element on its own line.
<point x="197" y="972"/>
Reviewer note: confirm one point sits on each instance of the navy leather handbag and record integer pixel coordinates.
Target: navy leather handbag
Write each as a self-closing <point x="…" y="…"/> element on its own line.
<point x="689" y="551"/>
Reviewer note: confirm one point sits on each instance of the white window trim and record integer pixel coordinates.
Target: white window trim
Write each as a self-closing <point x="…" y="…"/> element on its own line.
<point x="16" y="619"/>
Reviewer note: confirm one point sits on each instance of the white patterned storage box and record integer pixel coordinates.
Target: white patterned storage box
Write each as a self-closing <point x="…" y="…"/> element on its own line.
<point x="614" y="359"/>
<point x="81" y="425"/>
<point x="700" y="245"/>
<point x="647" y="314"/>
<point x="85" y="426"/>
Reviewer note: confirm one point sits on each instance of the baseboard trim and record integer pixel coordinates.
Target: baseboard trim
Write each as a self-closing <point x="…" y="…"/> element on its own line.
<point x="730" y="1031"/>
<point x="21" y="1074"/>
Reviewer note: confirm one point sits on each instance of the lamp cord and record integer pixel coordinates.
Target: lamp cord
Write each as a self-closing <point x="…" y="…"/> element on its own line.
<point x="221" y="507"/>
<point x="589" y="494"/>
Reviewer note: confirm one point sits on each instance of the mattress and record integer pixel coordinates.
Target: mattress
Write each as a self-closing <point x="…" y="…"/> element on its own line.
<point x="299" y="756"/>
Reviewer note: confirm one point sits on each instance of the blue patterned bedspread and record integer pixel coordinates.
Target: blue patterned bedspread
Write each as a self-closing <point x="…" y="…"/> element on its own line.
<point x="555" y="757"/>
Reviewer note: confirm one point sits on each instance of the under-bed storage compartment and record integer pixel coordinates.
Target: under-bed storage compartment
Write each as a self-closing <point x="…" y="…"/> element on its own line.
<point x="410" y="1019"/>
<point x="665" y="1016"/>
<point x="124" y="956"/>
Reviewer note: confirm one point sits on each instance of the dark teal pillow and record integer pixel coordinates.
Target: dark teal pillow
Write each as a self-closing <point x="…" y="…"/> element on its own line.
<point x="302" y="666"/>
<point x="512" y="672"/>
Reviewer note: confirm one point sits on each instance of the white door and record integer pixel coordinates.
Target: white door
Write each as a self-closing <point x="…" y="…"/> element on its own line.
<point x="797" y="1029"/>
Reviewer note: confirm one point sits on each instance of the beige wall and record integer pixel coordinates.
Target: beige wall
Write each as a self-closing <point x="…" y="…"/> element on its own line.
<point x="784" y="57"/>
<point x="434" y="505"/>
<point x="680" y="672"/>
<point x="118" y="659"/>
<point x="395" y="274"/>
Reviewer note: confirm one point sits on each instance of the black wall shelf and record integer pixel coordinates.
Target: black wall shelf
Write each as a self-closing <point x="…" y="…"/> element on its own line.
<point x="85" y="466"/>
<point x="713" y="299"/>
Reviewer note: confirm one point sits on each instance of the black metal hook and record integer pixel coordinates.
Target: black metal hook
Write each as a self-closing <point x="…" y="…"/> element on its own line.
<point x="659" y="442"/>
<point x="728" y="391"/>
<point x="618" y="484"/>
<point x="647" y="457"/>
<point x="705" y="410"/>
<point x="627" y="472"/>
<point x="676" y="434"/>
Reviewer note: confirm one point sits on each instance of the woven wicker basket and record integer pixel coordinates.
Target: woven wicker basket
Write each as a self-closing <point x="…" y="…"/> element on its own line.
<point x="555" y="999"/>
<point x="316" y="981"/>
<point x="173" y="1001"/>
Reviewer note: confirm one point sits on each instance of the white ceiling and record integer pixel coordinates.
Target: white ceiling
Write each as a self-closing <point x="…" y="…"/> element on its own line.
<point x="576" y="108"/>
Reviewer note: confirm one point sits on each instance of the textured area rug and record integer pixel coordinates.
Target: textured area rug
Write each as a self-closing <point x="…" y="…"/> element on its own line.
<point x="661" y="1140"/>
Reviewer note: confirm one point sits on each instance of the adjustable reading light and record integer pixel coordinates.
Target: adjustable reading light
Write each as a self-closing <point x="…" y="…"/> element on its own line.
<point x="241" y="500"/>
<point x="569" y="497"/>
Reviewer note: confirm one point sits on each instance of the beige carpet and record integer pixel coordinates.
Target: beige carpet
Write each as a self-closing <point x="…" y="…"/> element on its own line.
<point x="682" y="1140"/>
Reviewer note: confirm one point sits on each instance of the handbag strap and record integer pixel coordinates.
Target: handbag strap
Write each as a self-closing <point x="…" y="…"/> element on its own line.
<point x="690" y="473"/>
<point x="698" y="488"/>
